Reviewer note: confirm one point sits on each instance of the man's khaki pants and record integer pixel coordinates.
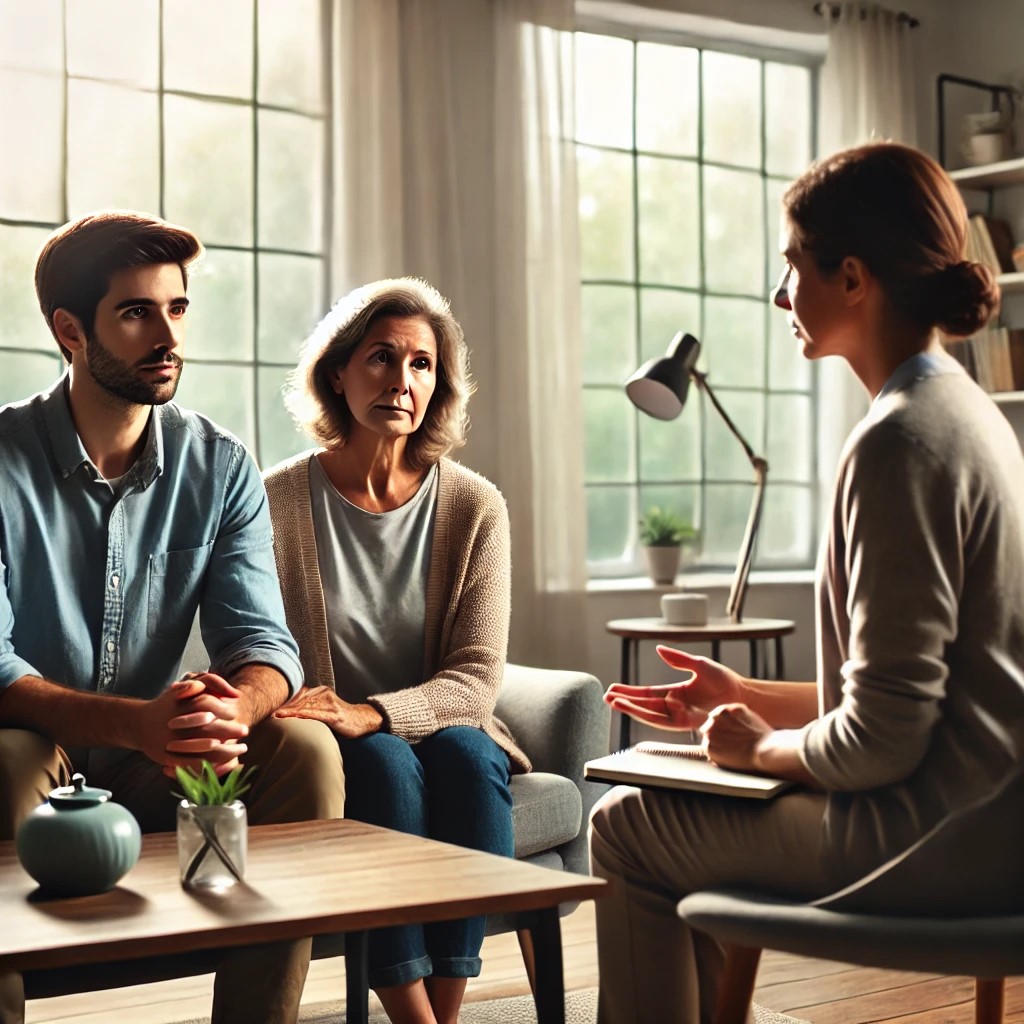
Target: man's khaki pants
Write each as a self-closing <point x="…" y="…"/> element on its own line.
<point x="298" y="777"/>
<point x="655" y="847"/>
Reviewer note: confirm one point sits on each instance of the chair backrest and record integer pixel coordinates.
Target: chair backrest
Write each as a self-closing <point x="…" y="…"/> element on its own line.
<point x="970" y="864"/>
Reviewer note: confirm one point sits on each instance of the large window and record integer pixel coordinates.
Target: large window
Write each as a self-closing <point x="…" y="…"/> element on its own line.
<point x="683" y="154"/>
<point x="212" y="115"/>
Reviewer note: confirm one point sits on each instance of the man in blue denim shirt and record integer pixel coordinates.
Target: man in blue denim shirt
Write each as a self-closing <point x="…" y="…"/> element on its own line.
<point x="121" y="514"/>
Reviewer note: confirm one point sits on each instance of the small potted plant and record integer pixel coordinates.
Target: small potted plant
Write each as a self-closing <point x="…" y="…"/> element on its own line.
<point x="212" y="827"/>
<point x="663" y="534"/>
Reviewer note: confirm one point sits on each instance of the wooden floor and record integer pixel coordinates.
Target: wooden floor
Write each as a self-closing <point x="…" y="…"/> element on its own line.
<point x="816" y="990"/>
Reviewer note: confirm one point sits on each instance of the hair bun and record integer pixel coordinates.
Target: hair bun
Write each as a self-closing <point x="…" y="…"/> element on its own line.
<point x="964" y="297"/>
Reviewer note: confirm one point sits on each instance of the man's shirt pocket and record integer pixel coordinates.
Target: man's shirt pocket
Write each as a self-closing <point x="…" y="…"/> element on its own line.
<point x="175" y="587"/>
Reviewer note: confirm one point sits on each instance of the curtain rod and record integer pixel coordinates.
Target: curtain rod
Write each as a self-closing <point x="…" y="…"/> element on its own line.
<point x="832" y="11"/>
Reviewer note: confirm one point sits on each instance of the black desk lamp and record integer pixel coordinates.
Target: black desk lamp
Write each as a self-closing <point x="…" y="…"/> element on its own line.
<point x="659" y="389"/>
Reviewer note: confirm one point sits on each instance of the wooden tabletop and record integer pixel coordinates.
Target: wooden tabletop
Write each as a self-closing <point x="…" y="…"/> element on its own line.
<point x="308" y="878"/>
<point x="716" y="629"/>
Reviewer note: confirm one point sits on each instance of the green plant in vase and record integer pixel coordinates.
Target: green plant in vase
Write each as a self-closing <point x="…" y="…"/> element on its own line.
<point x="212" y="826"/>
<point x="663" y="534"/>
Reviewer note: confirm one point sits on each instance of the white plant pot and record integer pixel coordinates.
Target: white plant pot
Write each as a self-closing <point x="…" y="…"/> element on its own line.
<point x="663" y="562"/>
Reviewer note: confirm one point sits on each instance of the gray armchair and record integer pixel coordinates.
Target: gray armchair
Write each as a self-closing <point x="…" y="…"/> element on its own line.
<point x="560" y="721"/>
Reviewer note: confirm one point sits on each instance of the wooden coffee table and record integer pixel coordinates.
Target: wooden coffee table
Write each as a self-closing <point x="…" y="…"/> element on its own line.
<point x="309" y="878"/>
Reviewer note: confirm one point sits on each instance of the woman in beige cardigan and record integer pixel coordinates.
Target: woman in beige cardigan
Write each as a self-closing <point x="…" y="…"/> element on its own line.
<point x="394" y="564"/>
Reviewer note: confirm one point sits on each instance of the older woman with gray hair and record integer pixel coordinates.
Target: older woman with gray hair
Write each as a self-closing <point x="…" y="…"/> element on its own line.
<point x="394" y="564"/>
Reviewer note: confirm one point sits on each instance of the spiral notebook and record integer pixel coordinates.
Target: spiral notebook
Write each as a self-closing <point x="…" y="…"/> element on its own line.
<point x="680" y="766"/>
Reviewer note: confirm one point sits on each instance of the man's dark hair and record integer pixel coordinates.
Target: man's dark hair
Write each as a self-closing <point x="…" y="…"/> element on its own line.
<point x="78" y="260"/>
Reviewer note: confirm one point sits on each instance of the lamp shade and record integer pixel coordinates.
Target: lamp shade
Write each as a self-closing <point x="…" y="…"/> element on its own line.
<point x="659" y="387"/>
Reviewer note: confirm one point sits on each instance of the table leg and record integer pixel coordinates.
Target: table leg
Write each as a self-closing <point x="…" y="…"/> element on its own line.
<point x="755" y="672"/>
<point x="629" y="674"/>
<point x="549" y="995"/>
<point x="716" y="650"/>
<point x="357" y="983"/>
<point x="780" y="669"/>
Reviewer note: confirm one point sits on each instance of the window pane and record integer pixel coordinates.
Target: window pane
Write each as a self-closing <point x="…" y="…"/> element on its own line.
<point x="117" y="40"/>
<point x="604" y="90"/>
<point x="772" y="219"/>
<point x="220" y="314"/>
<point x="734" y="347"/>
<point x="209" y="169"/>
<point x="727" y="509"/>
<point x="24" y="373"/>
<point x="606" y="214"/>
<point x="787" y="535"/>
<point x="291" y="304"/>
<point x="734" y="231"/>
<point x="666" y="99"/>
<point x="726" y="459"/>
<point x="787" y="103"/>
<point x="790" y="449"/>
<point x="732" y="109"/>
<point x="608" y="423"/>
<point x="208" y="46"/>
<point x="21" y="323"/>
<point x="787" y="367"/>
<point x="31" y="187"/>
<point x="290" y="65"/>
<point x="669" y="222"/>
<point x="124" y="169"/>
<point x="291" y="185"/>
<point x="225" y="394"/>
<point x="670" y="449"/>
<point x="31" y="35"/>
<point x="609" y="334"/>
<point x="611" y="523"/>
<point x="279" y="437"/>
<point x="663" y="313"/>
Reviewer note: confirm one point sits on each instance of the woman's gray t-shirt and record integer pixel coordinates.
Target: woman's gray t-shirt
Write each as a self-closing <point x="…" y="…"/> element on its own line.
<point x="373" y="567"/>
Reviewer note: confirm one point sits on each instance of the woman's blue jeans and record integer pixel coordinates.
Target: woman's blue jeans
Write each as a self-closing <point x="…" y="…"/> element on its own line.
<point x="452" y="786"/>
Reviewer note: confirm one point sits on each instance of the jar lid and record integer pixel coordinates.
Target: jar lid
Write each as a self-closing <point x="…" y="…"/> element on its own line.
<point x="78" y="794"/>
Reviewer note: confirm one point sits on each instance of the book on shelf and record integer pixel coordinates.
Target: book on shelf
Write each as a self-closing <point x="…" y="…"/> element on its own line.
<point x="990" y="241"/>
<point x="680" y="766"/>
<point x="988" y="356"/>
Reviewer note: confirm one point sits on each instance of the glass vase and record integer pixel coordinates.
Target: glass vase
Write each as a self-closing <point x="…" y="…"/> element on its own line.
<point x="212" y="845"/>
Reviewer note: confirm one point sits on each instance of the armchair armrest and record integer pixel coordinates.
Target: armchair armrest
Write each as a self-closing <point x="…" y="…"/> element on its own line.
<point x="560" y="719"/>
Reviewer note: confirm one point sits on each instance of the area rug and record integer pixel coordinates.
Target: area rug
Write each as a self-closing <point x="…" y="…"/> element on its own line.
<point x="580" y="1008"/>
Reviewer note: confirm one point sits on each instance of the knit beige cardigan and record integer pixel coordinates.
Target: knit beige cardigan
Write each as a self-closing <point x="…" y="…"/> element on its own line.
<point x="467" y="603"/>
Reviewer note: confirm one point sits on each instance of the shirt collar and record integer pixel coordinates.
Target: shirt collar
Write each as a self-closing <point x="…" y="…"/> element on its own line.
<point x="69" y="450"/>
<point x="918" y="367"/>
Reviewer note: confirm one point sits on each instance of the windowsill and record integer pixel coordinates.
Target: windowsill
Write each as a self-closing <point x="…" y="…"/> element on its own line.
<point x="699" y="581"/>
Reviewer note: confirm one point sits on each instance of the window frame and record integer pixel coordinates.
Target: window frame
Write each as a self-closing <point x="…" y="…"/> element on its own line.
<point x="631" y="565"/>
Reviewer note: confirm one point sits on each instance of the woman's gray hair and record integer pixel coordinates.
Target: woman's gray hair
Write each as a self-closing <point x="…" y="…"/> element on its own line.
<point x="325" y="416"/>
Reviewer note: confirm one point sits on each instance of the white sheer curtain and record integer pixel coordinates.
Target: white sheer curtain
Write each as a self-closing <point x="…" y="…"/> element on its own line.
<point x="867" y="93"/>
<point x="537" y="327"/>
<point x="477" y="193"/>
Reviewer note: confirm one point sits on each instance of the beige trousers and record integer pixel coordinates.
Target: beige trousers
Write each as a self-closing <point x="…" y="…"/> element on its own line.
<point x="656" y="846"/>
<point x="298" y="778"/>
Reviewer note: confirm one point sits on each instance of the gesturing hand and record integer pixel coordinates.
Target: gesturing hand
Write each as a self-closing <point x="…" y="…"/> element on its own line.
<point x="322" y="704"/>
<point x="678" y="706"/>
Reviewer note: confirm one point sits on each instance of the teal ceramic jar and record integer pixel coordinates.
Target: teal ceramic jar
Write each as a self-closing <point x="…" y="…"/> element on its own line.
<point x="79" y="842"/>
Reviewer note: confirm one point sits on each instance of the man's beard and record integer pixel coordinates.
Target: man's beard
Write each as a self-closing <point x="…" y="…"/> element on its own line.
<point x="120" y="379"/>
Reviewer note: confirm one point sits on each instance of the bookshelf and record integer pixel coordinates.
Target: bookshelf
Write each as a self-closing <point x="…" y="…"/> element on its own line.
<point x="992" y="179"/>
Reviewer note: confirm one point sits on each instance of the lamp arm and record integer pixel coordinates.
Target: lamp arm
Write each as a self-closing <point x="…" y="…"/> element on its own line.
<point x="701" y="380"/>
<point x="738" y="590"/>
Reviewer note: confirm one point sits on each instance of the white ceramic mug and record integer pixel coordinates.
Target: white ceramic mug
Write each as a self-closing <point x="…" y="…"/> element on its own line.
<point x="685" y="609"/>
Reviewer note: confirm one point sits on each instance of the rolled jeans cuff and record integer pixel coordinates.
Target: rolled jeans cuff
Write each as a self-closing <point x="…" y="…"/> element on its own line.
<point x="401" y="974"/>
<point x="457" y="966"/>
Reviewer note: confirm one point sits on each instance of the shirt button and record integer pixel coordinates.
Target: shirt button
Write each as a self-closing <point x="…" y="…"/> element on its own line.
<point x="115" y="581"/>
<point x="110" y="646"/>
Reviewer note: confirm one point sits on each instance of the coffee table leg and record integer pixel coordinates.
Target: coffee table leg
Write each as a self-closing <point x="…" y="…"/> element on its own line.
<point x="628" y="675"/>
<point x="549" y="996"/>
<point x="357" y="983"/>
